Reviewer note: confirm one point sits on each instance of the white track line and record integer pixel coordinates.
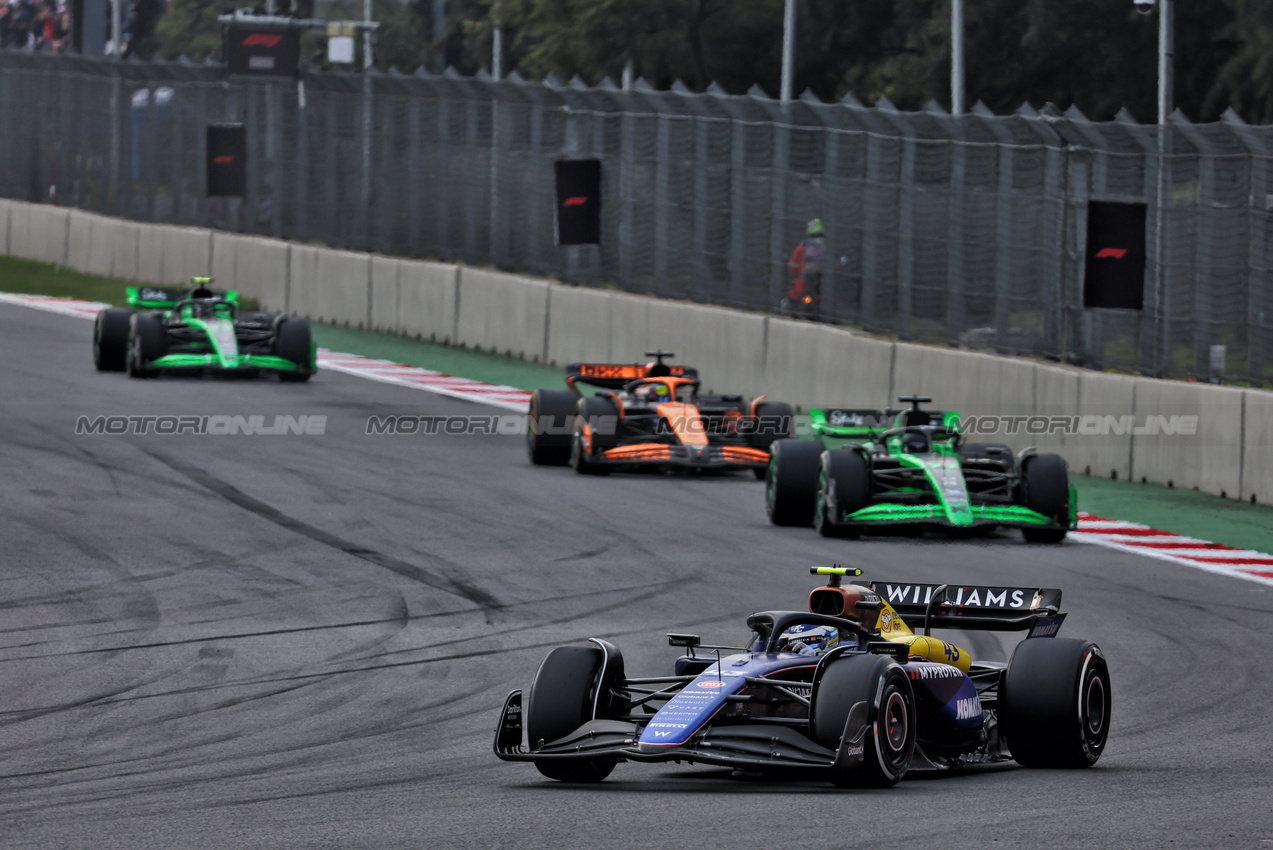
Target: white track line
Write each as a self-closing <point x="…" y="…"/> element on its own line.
<point x="1176" y="548"/>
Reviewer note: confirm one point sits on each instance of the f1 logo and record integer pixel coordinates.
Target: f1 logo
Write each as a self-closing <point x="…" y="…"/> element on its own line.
<point x="260" y="39"/>
<point x="577" y="201"/>
<point x="1107" y="253"/>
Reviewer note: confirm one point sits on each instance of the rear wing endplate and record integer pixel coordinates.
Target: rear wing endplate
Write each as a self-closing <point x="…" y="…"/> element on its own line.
<point x="970" y="606"/>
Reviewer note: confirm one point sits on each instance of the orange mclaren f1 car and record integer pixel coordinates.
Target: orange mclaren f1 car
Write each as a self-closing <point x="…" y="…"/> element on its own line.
<point x="650" y="416"/>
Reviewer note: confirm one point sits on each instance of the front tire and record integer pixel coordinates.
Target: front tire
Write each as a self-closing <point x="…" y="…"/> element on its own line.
<point x="791" y="481"/>
<point x="147" y="343"/>
<point x="1045" y="489"/>
<point x="548" y="427"/>
<point x="561" y="700"/>
<point x="110" y="339"/>
<point x="1054" y="703"/>
<point x="891" y="734"/>
<point x="295" y="343"/>
<point x="844" y="486"/>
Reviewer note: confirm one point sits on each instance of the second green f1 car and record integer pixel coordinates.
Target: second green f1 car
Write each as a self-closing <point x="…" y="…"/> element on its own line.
<point x="199" y="330"/>
<point x="863" y="474"/>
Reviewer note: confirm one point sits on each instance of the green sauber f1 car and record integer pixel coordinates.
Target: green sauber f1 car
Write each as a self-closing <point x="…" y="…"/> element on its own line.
<point x="863" y="472"/>
<point x="199" y="330"/>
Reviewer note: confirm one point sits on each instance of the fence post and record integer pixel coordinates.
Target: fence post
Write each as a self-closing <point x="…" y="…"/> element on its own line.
<point x="662" y="215"/>
<point x="875" y="192"/>
<point x="701" y="211"/>
<point x="737" y="210"/>
<point x="1258" y="201"/>
<point x="416" y="190"/>
<point x="778" y="207"/>
<point x="1204" y="239"/>
<point x="955" y="311"/>
<point x="906" y="237"/>
<point x="627" y="190"/>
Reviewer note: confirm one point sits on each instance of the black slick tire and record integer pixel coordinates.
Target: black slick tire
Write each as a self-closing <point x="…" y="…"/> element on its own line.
<point x="110" y="339"/>
<point x="1045" y="489"/>
<point x="147" y="343"/>
<point x="560" y="701"/>
<point x="549" y="427"/>
<point x="1054" y="703"/>
<point x="293" y="342"/>
<point x="890" y="739"/>
<point x="791" y="481"/>
<point x="844" y="486"/>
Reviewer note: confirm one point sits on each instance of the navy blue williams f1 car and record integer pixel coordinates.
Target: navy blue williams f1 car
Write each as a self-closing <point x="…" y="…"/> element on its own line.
<point x="846" y="690"/>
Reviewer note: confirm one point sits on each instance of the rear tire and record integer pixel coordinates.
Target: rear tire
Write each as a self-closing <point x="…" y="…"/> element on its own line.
<point x="295" y="343"/>
<point x="775" y="420"/>
<point x="1054" y="703"/>
<point x="890" y="741"/>
<point x="844" y="486"/>
<point x="110" y="339"/>
<point x="1045" y="489"/>
<point x="148" y="342"/>
<point x="560" y="701"/>
<point x="549" y="427"/>
<point x="791" y="481"/>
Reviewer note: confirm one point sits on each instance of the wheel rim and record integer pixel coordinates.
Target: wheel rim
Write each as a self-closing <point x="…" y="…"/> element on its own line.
<point x="530" y="426"/>
<point x="819" y="504"/>
<point x="896" y="720"/>
<point x="771" y="476"/>
<point x="1094" y="706"/>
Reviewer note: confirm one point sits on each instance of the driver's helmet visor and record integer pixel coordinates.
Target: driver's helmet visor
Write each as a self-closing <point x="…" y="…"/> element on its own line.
<point x="806" y="636"/>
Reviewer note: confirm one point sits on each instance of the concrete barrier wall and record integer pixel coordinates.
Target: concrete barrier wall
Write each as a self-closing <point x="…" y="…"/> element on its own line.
<point x="112" y="250"/>
<point x="804" y="363"/>
<point x="261" y="271"/>
<point x="579" y="326"/>
<point x="187" y="253"/>
<point x="38" y="232"/>
<point x="79" y="239"/>
<point x="5" y="206"/>
<point x="302" y="275"/>
<point x="1210" y="458"/>
<point x="1056" y="394"/>
<point x="225" y="257"/>
<point x="820" y="366"/>
<point x="503" y="313"/>
<point x="342" y="294"/>
<point x="384" y="294"/>
<point x="1257" y="446"/>
<point x="427" y="301"/>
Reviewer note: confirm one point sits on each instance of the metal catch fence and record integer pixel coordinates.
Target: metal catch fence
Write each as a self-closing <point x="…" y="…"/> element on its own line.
<point x="962" y="230"/>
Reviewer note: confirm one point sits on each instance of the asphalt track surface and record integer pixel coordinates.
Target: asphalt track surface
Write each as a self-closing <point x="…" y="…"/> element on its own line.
<point x="303" y="641"/>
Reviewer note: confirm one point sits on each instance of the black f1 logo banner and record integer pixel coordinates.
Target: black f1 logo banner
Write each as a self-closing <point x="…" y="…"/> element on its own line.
<point x="1115" y="271"/>
<point x="227" y="161"/>
<point x="262" y="52"/>
<point x="579" y="202"/>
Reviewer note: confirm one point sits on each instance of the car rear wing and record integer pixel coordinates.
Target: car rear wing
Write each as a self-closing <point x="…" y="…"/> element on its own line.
<point x="850" y="422"/>
<point x="166" y="297"/>
<point x="969" y="606"/>
<point x="615" y="376"/>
